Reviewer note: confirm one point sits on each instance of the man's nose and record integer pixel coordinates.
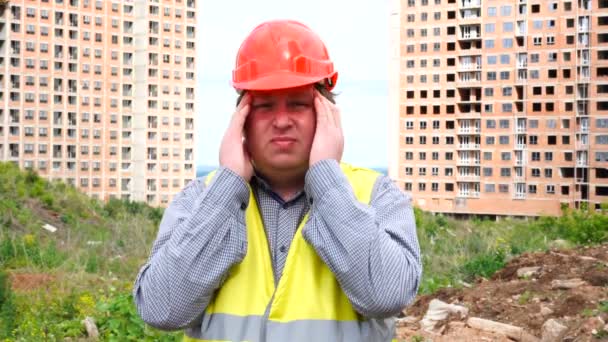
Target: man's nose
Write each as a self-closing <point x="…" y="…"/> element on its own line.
<point x="282" y="117"/>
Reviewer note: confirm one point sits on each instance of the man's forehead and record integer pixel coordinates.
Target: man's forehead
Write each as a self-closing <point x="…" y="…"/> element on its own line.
<point x="306" y="90"/>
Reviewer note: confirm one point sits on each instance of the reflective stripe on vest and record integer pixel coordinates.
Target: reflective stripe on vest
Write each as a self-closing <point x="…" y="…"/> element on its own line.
<point x="308" y="304"/>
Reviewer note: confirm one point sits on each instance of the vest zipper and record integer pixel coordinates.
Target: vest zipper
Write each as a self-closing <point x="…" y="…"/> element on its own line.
<point x="265" y="319"/>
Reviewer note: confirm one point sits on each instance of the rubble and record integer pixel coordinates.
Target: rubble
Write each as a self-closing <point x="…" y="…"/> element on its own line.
<point x="552" y="296"/>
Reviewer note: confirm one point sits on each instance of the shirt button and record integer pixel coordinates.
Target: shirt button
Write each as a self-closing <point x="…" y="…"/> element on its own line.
<point x="310" y="201"/>
<point x="243" y="206"/>
<point x="285" y="206"/>
<point x="283" y="249"/>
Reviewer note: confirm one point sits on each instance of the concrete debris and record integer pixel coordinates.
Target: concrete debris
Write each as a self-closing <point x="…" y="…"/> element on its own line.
<point x="553" y="330"/>
<point x="91" y="327"/>
<point x="438" y="314"/>
<point x="49" y="227"/>
<point x="567" y="283"/>
<point x="528" y="272"/>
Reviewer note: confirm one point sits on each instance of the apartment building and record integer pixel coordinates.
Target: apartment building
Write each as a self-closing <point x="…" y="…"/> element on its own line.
<point x="500" y="107"/>
<point x="100" y="94"/>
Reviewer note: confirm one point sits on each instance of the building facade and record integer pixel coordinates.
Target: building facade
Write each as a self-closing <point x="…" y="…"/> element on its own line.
<point x="500" y="107"/>
<point x="100" y="94"/>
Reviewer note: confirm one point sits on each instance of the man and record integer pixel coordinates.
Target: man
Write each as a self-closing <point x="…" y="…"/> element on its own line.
<point x="282" y="242"/>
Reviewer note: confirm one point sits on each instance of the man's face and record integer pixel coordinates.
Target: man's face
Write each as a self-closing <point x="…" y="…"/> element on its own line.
<point x="280" y="128"/>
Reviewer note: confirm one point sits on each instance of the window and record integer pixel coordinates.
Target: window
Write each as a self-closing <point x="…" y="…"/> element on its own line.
<point x="503" y="139"/>
<point x="489" y="28"/>
<point x="490" y="123"/>
<point x="505" y="10"/>
<point x="550" y="189"/>
<point x="491" y="11"/>
<point x="533" y="139"/>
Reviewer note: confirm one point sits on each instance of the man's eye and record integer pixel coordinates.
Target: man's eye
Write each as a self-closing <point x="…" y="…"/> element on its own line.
<point x="262" y="106"/>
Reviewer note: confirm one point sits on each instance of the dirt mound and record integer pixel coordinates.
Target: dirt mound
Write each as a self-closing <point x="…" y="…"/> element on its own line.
<point x="570" y="286"/>
<point x="30" y="281"/>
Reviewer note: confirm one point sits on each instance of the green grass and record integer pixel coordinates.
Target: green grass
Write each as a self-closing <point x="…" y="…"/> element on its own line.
<point x="456" y="251"/>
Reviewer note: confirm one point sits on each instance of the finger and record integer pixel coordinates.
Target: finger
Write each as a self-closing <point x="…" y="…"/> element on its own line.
<point x="337" y="116"/>
<point x="245" y="101"/>
<point x="320" y="110"/>
<point x="240" y="117"/>
<point x="328" y="109"/>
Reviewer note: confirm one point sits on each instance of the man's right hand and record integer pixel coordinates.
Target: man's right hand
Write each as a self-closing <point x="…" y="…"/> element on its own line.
<point x="233" y="153"/>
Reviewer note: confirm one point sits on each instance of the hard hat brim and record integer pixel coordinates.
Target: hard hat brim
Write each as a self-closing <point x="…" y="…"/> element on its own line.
<point x="277" y="81"/>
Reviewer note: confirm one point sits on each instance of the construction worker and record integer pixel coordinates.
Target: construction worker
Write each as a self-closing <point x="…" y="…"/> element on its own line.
<point x="283" y="242"/>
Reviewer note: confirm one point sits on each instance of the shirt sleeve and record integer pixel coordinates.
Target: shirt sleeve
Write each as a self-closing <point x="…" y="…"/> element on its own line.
<point x="201" y="235"/>
<point x="372" y="249"/>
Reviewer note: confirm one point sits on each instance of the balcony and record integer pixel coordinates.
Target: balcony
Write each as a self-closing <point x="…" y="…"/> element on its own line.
<point x="584" y="129"/>
<point x="582" y="163"/>
<point x="470" y="3"/>
<point x="519" y="195"/>
<point x="520" y="146"/>
<point x="468" y="194"/>
<point x="466" y="162"/>
<point x="520" y="129"/>
<point x="581" y="145"/>
<point x="469" y="130"/>
<point x="520" y="162"/>
<point x="469" y="146"/>
<point x="469" y="66"/>
<point x="468" y="178"/>
<point x="471" y="35"/>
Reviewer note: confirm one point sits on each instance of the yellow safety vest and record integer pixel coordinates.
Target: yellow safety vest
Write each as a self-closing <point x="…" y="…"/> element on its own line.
<point x="307" y="305"/>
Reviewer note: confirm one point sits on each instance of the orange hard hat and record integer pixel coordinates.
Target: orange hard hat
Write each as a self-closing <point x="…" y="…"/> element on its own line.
<point x="282" y="54"/>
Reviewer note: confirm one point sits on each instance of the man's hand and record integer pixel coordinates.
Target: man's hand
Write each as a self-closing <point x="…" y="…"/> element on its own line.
<point x="233" y="153"/>
<point x="329" y="139"/>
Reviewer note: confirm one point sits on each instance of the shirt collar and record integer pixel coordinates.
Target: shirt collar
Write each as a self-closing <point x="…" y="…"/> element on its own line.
<point x="259" y="182"/>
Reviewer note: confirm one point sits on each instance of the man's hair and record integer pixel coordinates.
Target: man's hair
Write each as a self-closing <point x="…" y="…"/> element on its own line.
<point x="319" y="86"/>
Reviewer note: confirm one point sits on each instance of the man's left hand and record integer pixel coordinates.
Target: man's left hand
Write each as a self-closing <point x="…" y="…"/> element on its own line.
<point x="329" y="139"/>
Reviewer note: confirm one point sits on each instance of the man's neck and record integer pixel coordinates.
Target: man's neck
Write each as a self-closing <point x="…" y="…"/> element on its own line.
<point x="286" y="185"/>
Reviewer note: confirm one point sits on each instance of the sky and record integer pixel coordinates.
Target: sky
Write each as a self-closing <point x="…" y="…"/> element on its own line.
<point x="356" y="35"/>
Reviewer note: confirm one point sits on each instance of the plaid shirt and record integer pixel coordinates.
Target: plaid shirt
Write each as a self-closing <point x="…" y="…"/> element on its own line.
<point x="372" y="250"/>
